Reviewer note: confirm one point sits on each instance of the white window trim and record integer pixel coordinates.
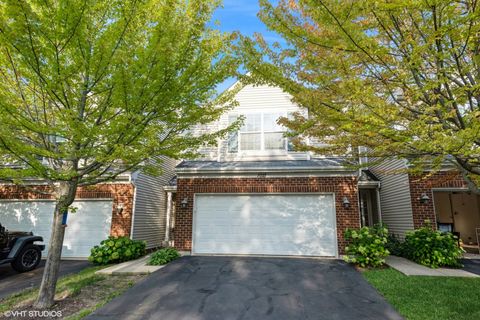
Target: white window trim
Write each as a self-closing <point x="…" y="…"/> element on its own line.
<point x="262" y="150"/>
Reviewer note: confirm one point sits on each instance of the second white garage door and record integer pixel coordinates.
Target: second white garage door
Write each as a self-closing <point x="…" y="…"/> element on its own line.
<point x="85" y="228"/>
<point x="286" y="224"/>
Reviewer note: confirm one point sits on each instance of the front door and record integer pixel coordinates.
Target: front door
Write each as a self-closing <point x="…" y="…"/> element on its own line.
<point x="369" y="207"/>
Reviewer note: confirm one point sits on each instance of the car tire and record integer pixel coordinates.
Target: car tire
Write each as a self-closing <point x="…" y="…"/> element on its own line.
<point x="28" y="258"/>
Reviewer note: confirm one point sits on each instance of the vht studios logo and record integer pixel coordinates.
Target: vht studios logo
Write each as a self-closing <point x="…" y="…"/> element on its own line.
<point x="32" y="314"/>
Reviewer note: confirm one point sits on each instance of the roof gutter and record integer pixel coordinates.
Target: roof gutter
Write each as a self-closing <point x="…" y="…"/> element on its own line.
<point x="333" y="169"/>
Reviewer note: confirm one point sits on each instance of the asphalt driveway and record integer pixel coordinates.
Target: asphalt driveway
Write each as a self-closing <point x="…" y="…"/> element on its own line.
<point x="204" y="288"/>
<point x="12" y="282"/>
<point x="471" y="265"/>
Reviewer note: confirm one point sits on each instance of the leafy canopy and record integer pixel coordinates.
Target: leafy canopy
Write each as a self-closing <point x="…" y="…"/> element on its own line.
<point x="400" y="77"/>
<point x="91" y="89"/>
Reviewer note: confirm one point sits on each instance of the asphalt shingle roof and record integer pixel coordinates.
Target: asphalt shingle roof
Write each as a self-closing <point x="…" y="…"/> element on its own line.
<point x="314" y="164"/>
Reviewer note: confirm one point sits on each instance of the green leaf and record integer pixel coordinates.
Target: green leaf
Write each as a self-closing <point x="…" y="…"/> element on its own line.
<point x="367" y="78"/>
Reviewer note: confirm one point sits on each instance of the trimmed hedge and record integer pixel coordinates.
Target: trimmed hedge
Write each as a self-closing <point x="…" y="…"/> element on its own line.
<point x="115" y="250"/>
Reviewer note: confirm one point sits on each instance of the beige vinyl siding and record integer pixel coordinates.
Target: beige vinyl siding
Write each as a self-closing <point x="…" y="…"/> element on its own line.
<point x="208" y="152"/>
<point x="264" y="97"/>
<point x="396" y="205"/>
<point x="149" y="221"/>
<point x="251" y="99"/>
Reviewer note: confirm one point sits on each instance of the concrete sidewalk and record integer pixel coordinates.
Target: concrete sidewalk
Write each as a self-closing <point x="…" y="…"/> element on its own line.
<point x="133" y="267"/>
<point x="411" y="268"/>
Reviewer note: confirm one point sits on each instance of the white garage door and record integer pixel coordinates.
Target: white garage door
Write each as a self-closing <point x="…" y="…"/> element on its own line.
<point x="293" y="224"/>
<point x="85" y="228"/>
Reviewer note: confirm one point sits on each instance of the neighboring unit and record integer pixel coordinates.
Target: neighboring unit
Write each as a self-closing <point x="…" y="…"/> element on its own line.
<point x="134" y="205"/>
<point x="441" y="199"/>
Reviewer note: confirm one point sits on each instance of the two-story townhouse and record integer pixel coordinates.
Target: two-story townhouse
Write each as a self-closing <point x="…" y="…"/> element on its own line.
<point x="254" y="194"/>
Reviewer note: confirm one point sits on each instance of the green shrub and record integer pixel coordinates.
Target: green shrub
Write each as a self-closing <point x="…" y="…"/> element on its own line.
<point x="394" y="245"/>
<point x="367" y="246"/>
<point x="115" y="250"/>
<point x="432" y="248"/>
<point x="163" y="256"/>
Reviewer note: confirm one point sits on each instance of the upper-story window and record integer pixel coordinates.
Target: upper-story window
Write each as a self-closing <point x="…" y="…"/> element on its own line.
<point x="260" y="132"/>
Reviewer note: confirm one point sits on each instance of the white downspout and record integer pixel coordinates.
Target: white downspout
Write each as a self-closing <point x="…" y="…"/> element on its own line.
<point x="169" y="213"/>
<point x="379" y="205"/>
<point x="133" y="180"/>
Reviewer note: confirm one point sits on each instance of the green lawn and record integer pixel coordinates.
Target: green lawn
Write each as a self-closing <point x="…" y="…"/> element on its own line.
<point x="426" y="298"/>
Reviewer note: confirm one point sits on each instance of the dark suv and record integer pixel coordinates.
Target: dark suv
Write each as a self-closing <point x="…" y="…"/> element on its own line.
<point x="20" y="250"/>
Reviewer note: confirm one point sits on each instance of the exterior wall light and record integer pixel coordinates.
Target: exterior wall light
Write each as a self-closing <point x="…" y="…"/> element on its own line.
<point x="424" y="198"/>
<point x="184" y="202"/>
<point x="346" y="203"/>
<point x="119" y="208"/>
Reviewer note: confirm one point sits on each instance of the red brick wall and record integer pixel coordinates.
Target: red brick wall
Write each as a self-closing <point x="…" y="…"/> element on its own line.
<point x="119" y="193"/>
<point x="420" y="184"/>
<point x="341" y="186"/>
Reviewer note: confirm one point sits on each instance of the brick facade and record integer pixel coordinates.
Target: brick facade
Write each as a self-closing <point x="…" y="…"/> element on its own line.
<point x="118" y="192"/>
<point x="341" y="186"/>
<point x="420" y="184"/>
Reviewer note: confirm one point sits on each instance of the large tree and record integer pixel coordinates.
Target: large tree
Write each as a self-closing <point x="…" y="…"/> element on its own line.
<point x="92" y="89"/>
<point x="400" y="78"/>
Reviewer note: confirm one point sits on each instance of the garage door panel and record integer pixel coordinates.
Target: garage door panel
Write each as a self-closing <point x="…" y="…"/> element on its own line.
<point x="267" y="248"/>
<point x="85" y="228"/>
<point x="265" y="224"/>
<point x="29" y="217"/>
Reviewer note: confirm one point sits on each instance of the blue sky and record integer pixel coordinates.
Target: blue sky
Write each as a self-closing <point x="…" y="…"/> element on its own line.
<point x="241" y="15"/>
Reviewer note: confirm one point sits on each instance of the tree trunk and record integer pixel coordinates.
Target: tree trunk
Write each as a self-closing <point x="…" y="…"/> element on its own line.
<point x="65" y="194"/>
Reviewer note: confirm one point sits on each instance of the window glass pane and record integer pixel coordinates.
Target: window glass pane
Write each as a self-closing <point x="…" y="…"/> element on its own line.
<point x="252" y="122"/>
<point x="270" y="122"/>
<point x="232" y="142"/>
<point x="250" y="141"/>
<point x="290" y="146"/>
<point x="274" y="141"/>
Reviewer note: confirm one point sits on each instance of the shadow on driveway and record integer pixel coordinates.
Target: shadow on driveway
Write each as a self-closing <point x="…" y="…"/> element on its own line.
<point x="12" y="282"/>
<point x="204" y="288"/>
